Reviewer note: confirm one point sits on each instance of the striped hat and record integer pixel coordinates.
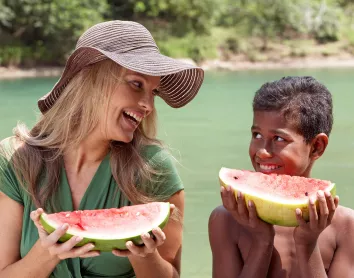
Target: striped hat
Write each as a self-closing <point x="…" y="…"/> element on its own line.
<point x="132" y="46"/>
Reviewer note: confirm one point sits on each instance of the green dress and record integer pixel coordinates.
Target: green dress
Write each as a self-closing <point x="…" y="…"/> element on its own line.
<point x="101" y="193"/>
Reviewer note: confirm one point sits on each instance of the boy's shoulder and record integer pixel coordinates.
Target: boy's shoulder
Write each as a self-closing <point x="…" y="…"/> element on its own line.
<point x="343" y="221"/>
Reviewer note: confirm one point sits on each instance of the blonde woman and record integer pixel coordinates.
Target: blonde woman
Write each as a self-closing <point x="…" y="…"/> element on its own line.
<point x="94" y="147"/>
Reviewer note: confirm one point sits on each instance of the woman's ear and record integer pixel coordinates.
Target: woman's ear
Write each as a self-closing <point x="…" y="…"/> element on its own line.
<point x="318" y="146"/>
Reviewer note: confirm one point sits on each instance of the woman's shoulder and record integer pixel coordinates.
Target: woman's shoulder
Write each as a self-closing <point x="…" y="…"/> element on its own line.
<point x="8" y="147"/>
<point x="155" y="153"/>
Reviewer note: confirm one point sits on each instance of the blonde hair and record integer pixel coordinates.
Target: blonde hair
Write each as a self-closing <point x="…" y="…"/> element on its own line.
<point x="72" y="118"/>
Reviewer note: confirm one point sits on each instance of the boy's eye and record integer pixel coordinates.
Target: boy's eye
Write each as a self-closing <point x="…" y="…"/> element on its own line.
<point x="256" y="135"/>
<point x="279" y="139"/>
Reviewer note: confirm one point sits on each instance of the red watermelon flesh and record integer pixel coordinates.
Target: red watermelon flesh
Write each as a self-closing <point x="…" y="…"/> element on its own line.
<point x="276" y="197"/>
<point x="282" y="186"/>
<point x="114" y="226"/>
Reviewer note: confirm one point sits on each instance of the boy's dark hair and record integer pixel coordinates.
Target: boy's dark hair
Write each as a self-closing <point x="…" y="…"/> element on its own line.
<point x="301" y="99"/>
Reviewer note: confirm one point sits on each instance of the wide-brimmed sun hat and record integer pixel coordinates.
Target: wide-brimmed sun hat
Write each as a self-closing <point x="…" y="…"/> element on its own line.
<point x="132" y="46"/>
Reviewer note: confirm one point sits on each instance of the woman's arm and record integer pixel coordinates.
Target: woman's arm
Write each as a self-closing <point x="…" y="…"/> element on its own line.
<point x="44" y="255"/>
<point x="37" y="264"/>
<point x="165" y="260"/>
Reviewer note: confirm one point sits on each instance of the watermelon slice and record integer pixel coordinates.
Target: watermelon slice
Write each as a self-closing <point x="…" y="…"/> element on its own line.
<point x="111" y="228"/>
<point x="276" y="197"/>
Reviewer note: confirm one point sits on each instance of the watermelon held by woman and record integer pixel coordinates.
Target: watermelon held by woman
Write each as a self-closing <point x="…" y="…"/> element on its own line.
<point x="276" y="197"/>
<point x="109" y="229"/>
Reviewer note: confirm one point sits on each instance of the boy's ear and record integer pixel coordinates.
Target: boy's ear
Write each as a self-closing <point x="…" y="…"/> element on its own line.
<point x="318" y="145"/>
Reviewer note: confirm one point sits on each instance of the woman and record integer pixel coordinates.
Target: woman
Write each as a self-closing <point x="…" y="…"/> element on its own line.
<point x="94" y="147"/>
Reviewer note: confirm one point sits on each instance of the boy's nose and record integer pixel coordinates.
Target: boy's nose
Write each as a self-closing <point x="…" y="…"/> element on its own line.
<point x="263" y="153"/>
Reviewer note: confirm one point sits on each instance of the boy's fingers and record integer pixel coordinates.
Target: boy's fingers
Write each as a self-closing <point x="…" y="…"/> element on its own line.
<point x="252" y="213"/>
<point x="324" y="212"/>
<point x="300" y="220"/>
<point x="331" y="206"/>
<point x="228" y="199"/>
<point x="313" y="214"/>
<point x="242" y="209"/>
<point x="336" y="201"/>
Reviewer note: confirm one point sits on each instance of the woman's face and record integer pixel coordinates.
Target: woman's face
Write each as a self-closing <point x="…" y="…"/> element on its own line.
<point x="131" y="102"/>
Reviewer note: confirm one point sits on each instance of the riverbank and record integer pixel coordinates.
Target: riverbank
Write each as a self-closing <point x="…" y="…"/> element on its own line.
<point x="343" y="61"/>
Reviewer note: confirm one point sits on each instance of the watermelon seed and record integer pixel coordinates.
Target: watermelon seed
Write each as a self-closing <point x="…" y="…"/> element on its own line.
<point x="306" y="193"/>
<point x="236" y="178"/>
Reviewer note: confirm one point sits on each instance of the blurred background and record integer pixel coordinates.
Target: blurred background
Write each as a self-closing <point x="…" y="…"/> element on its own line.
<point x="44" y="32"/>
<point x="260" y="40"/>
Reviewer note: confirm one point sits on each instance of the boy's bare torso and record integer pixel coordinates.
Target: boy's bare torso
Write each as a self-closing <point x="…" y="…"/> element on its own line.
<point x="284" y="263"/>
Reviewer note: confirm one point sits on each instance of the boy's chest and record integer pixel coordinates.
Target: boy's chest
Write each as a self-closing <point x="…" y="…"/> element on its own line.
<point x="284" y="261"/>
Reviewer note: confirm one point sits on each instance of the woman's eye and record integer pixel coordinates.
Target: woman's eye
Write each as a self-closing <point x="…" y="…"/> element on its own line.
<point x="137" y="84"/>
<point x="155" y="92"/>
<point x="279" y="139"/>
<point x="257" y="135"/>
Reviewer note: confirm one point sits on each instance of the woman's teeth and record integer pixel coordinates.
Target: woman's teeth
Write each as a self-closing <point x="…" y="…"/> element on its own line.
<point x="136" y="117"/>
<point x="268" y="167"/>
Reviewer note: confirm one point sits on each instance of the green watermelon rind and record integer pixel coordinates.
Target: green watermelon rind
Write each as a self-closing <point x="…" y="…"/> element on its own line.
<point x="104" y="245"/>
<point x="277" y="212"/>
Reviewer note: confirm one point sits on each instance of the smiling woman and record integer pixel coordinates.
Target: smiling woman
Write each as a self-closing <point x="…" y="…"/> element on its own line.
<point x="93" y="147"/>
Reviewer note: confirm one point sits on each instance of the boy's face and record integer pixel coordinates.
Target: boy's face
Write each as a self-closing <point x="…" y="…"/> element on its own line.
<point x="277" y="147"/>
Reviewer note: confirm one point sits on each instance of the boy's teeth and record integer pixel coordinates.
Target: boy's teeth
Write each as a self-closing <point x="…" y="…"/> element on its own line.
<point x="136" y="117"/>
<point x="266" y="167"/>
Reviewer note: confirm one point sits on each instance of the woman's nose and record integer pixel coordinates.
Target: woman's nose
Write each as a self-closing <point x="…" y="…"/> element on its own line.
<point x="147" y="102"/>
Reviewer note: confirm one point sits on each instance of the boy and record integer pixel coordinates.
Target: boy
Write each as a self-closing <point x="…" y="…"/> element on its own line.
<point x="291" y="125"/>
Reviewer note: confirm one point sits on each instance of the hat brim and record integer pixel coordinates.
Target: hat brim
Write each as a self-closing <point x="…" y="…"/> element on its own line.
<point x="179" y="84"/>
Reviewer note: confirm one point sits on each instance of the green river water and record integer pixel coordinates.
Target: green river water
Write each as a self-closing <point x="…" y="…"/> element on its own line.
<point x="211" y="132"/>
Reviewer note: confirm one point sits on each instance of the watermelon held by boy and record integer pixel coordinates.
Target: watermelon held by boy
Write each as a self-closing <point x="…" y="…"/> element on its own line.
<point x="276" y="197"/>
<point x="109" y="229"/>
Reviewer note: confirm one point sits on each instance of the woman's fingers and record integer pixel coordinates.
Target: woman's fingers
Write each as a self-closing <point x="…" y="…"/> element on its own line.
<point x="64" y="251"/>
<point x="149" y="242"/>
<point x="35" y="216"/>
<point x="121" y="253"/>
<point x="53" y="238"/>
<point x="159" y="235"/>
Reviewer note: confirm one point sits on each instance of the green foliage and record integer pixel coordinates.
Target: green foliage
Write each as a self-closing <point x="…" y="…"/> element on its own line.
<point x="40" y="32"/>
<point x="55" y="24"/>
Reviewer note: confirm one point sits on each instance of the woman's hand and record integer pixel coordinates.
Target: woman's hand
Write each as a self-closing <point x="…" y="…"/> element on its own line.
<point x="61" y="250"/>
<point x="150" y="243"/>
<point x="308" y="232"/>
<point x="247" y="217"/>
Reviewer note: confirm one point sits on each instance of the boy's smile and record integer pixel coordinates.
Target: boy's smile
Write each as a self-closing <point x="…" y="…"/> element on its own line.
<point x="277" y="147"/>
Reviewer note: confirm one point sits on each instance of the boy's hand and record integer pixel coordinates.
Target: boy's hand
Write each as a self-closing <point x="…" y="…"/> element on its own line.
<point x="307" y="233"/>
<point x="260" y="230"/>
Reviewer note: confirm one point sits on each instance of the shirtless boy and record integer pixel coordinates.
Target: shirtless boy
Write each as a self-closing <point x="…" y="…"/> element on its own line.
<point x="291" y="125"/>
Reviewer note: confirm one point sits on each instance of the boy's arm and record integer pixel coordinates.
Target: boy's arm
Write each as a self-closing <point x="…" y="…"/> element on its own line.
<point x="310" y="261"/>
<point x="227" y="260"/>
<point x="343" y="261"/>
